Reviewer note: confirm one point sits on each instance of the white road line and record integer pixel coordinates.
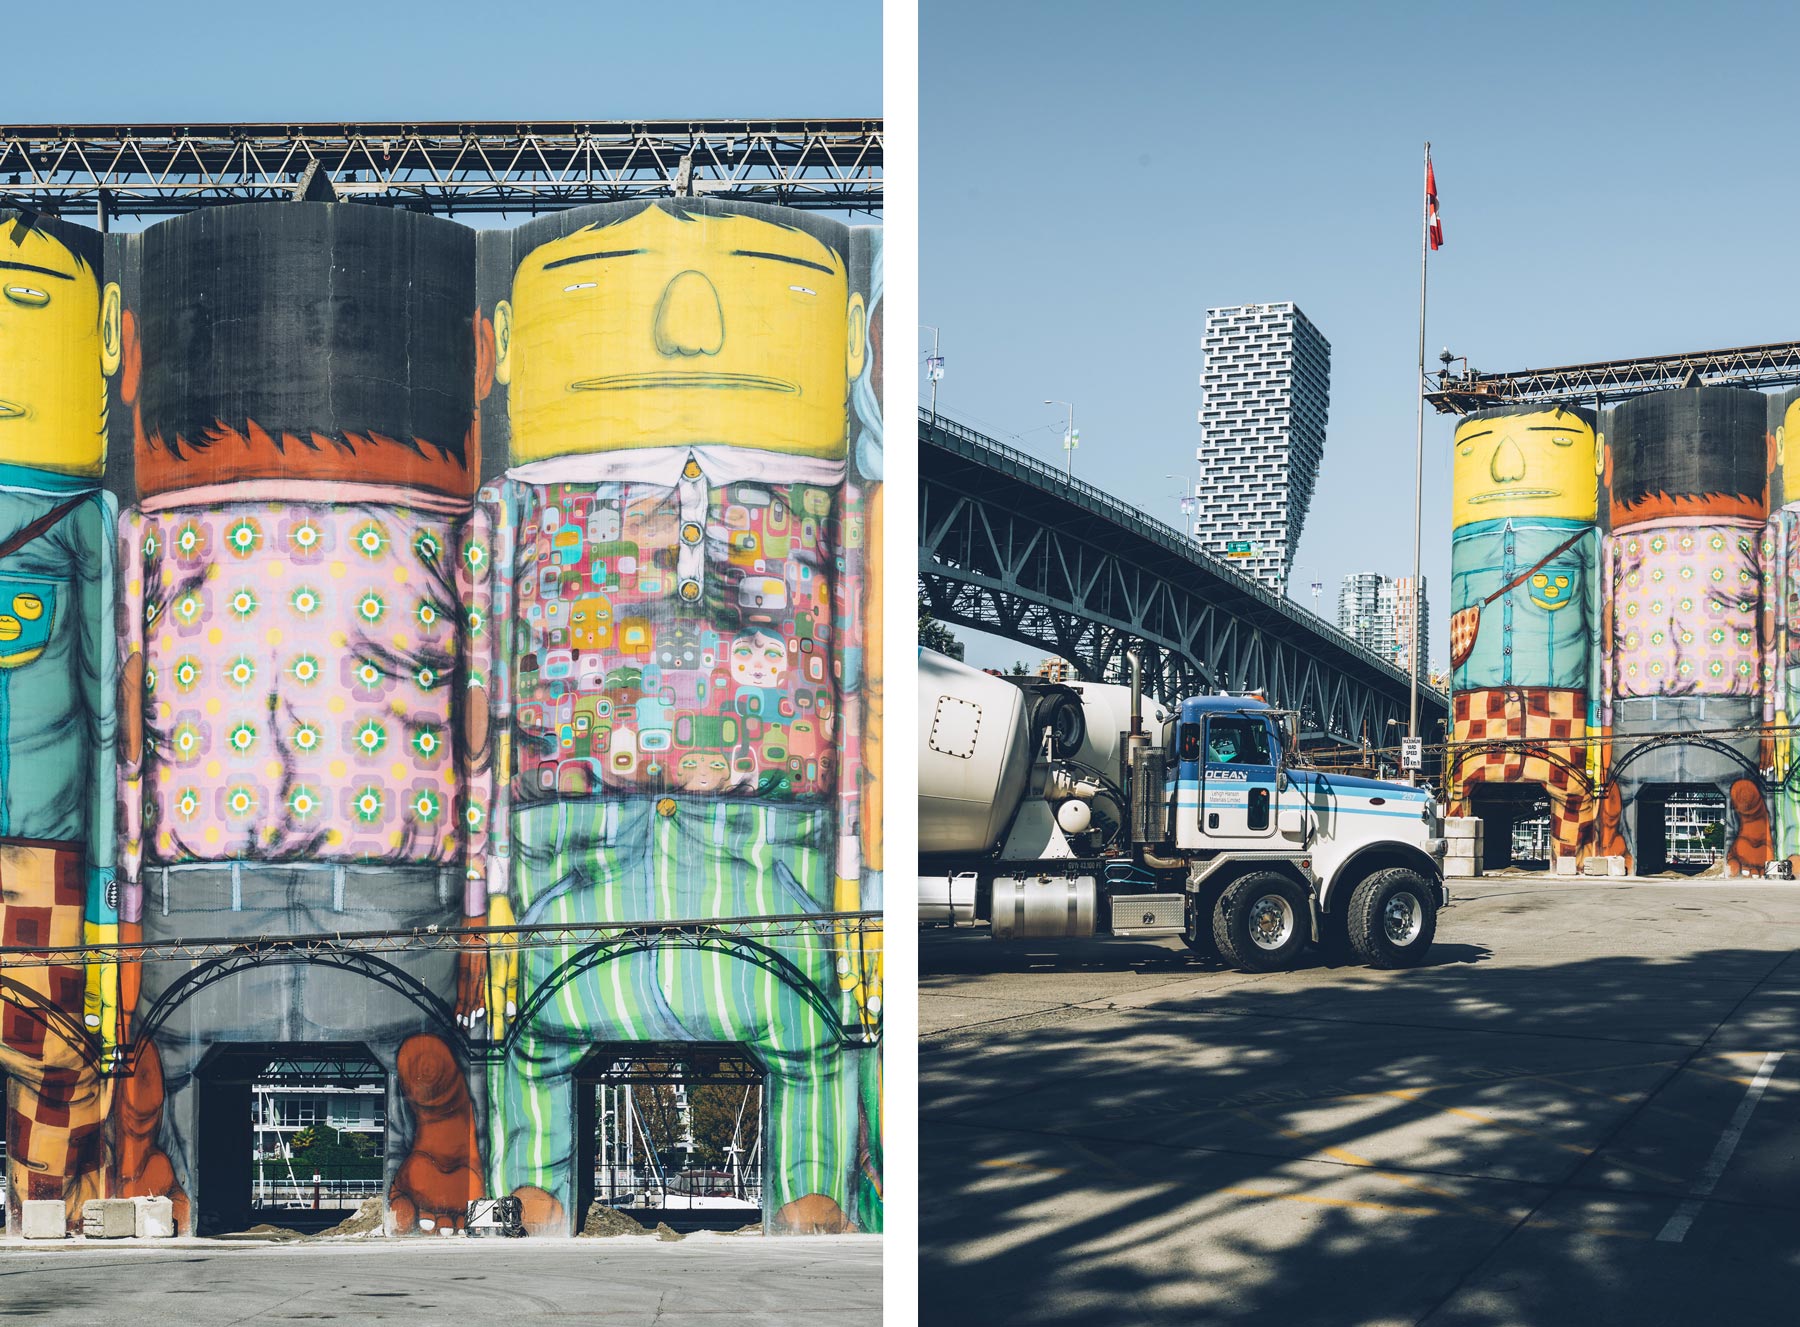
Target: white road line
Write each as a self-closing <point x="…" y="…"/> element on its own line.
<point x="1677" y="1229"/>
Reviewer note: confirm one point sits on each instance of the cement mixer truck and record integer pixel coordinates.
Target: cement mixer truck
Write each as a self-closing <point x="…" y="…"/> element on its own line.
<point x="1060" y="811"/>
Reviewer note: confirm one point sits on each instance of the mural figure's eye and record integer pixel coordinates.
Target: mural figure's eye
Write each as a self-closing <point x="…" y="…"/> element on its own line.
<point x="28" y="606"/>
<point x="31" y="299"/>
<point x="1467" y="448"/>
<point x="1562" y="440"/>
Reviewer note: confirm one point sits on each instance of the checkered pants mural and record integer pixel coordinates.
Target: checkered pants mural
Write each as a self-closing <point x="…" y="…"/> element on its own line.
<point x="56" y="1101"/>
<point x="1554" y="723"/>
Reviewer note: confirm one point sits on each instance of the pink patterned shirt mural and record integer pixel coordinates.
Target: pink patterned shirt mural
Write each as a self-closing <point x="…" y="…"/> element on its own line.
<point x="301" y="656"/>
<point x="1687" y="606"/>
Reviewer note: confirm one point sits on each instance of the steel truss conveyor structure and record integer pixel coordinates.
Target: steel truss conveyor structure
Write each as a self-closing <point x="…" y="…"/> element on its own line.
<point x="1008" y="545"/>
<point x="768" y="942"/>
<point x="154" y="170"/>
<point x="1598" y="384"/>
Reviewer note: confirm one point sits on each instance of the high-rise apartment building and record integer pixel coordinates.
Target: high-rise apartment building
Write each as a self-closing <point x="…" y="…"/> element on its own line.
<point x="1265" y="391"/>
<point x="1376" y="612"/>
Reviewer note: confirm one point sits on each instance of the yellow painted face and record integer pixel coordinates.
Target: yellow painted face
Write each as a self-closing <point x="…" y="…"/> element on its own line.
<point x="1539" y="464"/>
<point x="659" y="331"/>
<point x="59" y="338"/>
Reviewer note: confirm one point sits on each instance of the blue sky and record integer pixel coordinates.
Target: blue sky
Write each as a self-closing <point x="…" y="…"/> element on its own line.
<point x="208" y="60"/>
<point x="1614" y="180"/>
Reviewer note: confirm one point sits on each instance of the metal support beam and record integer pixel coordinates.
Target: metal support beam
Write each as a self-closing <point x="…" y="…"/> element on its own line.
<point x="1757" y="367"/>
<point x="153" y="170"/>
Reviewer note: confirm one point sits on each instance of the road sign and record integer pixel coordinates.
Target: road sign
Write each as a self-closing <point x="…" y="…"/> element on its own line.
<point x="1239" y="548"/>
<point x="1412" y="752"/>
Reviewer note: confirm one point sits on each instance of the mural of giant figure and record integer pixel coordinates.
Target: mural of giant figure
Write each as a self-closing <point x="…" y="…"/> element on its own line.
<point x="1683" y="647"/>
<point x="1523" y="553"/>
<point x="682" y="565"/>
<point x="59" y="338"/>
<point x="1781" y="640"/>
<point x="301" y="379"/>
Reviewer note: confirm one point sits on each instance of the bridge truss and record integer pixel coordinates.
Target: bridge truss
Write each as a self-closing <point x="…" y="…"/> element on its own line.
<point x="1008" y="545"/>
<point x="150" y="170"/>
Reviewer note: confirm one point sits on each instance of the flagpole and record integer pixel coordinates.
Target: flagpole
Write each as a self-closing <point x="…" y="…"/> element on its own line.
<point x="1412" y="723"/>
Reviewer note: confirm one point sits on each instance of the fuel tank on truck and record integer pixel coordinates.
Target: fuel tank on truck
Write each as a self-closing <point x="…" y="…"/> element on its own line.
<point x="974" y="756"/>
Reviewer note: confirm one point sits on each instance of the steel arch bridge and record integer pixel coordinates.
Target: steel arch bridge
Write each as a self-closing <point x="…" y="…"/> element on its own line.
<point x="1008" y="545"/>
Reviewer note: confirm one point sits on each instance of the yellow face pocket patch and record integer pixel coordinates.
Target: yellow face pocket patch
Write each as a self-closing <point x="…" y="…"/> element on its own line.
<point x="1551" y="590"/>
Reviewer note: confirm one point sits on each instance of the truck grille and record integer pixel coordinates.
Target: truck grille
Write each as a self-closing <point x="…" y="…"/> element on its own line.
<point x="1148" y="914"/>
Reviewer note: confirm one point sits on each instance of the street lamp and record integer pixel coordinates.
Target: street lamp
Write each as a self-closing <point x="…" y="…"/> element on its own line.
<point x="1072" y="438"/>
<point x="934" y="367"/>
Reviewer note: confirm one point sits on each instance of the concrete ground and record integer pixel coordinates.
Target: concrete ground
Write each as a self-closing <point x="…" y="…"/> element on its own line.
<point x="1585" y="1110"/>
<point x="204" y="1283"/>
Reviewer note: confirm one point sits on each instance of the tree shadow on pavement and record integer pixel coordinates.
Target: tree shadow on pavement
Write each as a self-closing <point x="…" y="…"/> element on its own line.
<point x="1461" y="1144"/>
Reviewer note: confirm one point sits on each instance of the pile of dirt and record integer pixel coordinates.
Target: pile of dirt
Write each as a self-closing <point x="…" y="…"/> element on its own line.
<point x="366" y="1220"/>
<point x="603" y="1221"/>
<point x="666" y="1235"/>
<point x="265" y="1231"/>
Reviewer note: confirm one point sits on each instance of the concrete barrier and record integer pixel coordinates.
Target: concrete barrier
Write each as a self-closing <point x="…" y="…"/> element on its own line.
<point x="1603" y="866"/>
<point x="109" y="1218"/>
<point x="154" y="1218"/>
<point x="1462" y="866"/>
<point x="43" y="1218"/>
<point x="1567" y="866"/>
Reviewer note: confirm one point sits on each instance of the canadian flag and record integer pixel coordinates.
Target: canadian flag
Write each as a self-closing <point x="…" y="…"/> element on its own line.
<point x="1431" y="212"/>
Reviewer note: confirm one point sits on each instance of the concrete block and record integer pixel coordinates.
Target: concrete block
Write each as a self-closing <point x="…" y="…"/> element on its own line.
<point x="43" y="1218"/>
<point x="109" y="1218"/>
<point x="1462" y="866"/>
<point x="1567" y="865"/>
<point x="155" y="1218"/>
<point x="1458" y="828"/>
<point x="1615" y="866"/>
<point x="1603" y="866"/>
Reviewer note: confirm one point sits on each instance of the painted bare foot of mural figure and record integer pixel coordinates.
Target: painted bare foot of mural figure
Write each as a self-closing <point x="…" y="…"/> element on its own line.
<point x="144" y="1169"/>
<point x="541" y="1213"/>
<point x="812" y="1214"/>
<point x="438" y="1178"/>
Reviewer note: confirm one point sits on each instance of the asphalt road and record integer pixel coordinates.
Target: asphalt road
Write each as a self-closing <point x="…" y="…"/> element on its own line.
<point x="1585" y="1111"/>
<point x="736" y="1279"/>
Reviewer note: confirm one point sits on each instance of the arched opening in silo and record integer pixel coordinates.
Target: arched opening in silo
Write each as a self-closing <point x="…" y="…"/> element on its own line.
<point x="1515" y="821"/>
<point x="1680" y="828"/>
<point x="290" y="1135"/>
<point x="672" y="1132"/>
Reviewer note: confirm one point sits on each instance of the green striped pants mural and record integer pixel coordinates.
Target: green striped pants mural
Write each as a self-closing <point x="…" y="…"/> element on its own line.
<point x="640" y="859"/>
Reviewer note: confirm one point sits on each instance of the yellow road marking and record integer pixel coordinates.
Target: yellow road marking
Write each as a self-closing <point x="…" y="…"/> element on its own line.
<point x="1416" y="1095"/>
<point x="998" y="1164"/>
<point x="1238" y="1191"/>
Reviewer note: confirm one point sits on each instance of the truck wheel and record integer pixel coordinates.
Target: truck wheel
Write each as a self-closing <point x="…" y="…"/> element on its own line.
<point x="1392" y="919"/>
<point x="1260" y="924"/>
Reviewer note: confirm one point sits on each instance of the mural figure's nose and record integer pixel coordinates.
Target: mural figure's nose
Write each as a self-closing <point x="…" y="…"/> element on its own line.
<point x="1508" y="465"/>
<point x="689" y="320"/>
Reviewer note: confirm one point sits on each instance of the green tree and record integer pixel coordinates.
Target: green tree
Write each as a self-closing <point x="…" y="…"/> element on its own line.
<point x="934" y="635"/>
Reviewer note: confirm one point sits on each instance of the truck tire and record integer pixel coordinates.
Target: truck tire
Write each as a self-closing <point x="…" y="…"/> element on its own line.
<point x="1392" y="918"/>
<point x="1260" y="924"/>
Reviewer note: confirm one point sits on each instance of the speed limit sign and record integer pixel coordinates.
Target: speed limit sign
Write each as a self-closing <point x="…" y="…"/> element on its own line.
<point x="1412" y="752"/>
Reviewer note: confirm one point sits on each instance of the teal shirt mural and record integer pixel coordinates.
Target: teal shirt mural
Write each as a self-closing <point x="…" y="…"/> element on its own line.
<point x="1540" y="632"/>
<point x="58" y="671"/>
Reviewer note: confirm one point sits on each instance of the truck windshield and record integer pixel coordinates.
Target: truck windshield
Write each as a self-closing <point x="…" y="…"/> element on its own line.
<point x="1237" y="741"/>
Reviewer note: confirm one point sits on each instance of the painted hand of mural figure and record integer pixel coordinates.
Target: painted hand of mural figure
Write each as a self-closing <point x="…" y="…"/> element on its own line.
<point x="442" y="1173"/>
